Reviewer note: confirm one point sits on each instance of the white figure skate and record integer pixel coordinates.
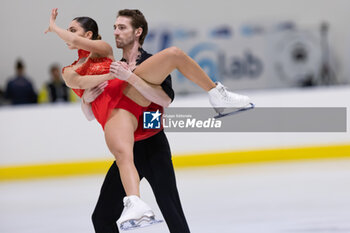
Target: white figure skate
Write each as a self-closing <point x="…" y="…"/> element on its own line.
<point x="220" y="98"/>
<point x="136" y="214"/>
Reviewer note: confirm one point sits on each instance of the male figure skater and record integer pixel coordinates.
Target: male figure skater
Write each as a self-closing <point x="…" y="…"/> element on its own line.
<point x="152" y="156"/>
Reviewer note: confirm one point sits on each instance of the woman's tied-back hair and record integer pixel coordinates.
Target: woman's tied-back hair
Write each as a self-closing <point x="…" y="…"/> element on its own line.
<point x="138" y="20"/>
<point x="89" y="25"/>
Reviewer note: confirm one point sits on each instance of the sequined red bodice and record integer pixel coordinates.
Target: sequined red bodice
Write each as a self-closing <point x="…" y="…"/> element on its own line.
<point x="95" y="66"/>
<point x="111" y="95"/>
<point x="110" y="98"/>
<point x="92" y="66"/>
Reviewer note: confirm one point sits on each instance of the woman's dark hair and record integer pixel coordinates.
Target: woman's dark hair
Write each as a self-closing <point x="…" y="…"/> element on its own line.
<point x="89" y="25"/>
<point x="138" y="20"/>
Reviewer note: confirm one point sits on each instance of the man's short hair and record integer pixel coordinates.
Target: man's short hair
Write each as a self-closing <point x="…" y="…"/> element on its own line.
<point x="138" y="20"/>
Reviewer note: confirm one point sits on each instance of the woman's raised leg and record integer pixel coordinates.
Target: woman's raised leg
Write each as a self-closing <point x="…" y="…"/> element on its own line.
<point x="156" y="68"/>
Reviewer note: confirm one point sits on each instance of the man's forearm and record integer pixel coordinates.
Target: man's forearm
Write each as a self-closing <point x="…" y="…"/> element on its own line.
<point x="153" y="93"/>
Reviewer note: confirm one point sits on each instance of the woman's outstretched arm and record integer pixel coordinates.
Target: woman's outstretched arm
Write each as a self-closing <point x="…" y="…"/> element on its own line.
<point x="99" y="47"/>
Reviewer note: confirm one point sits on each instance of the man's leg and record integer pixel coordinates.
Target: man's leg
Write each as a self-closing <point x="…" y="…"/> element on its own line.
<point x="110" y="203"/>
<point x="158" y="169"/>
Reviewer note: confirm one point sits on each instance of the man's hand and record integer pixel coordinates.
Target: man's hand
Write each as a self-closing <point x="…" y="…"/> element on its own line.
<point x="91" y="94"/>
<point x="120" y="70"/>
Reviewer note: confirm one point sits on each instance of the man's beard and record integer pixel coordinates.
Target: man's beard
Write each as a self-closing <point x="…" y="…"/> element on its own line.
<point x="119" y="45"/>
<point x="124" y="43"/>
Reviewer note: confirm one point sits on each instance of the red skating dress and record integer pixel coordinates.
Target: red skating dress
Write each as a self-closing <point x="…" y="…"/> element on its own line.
<point x="112" y="97"/>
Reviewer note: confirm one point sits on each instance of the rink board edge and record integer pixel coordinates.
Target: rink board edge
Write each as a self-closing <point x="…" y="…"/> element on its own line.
<point x="37" y="171"/>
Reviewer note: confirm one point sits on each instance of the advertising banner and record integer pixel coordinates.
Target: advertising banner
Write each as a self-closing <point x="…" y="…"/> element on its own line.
<point x="247" y="56"/>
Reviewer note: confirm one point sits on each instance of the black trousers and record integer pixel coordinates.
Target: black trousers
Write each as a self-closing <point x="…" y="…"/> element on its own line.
<point x="152" y="159"/>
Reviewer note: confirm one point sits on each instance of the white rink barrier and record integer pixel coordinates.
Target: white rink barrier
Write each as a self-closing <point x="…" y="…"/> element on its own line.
<point x="41" y="134"/>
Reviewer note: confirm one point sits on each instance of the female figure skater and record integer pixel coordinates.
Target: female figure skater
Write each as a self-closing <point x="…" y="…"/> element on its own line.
<point x="118" y="108"/>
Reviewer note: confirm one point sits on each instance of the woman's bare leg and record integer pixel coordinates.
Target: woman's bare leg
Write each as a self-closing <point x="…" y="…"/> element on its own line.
<point x="156" y="68"/>
<point x="119" y="135"/>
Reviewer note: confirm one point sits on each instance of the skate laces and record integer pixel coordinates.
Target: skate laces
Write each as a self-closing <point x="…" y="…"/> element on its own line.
<point x="229" y="96"/>
<point x="223" y="90"/>
<point x="127" y="203"/>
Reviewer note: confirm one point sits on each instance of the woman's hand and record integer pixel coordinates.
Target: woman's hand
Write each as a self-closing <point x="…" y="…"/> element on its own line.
<point x="92" y="93"/>
<point x="120" y="70"/>
<point x="53" y="17"/>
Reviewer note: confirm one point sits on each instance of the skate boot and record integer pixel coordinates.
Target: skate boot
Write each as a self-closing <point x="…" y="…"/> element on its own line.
<point x="136" y="214"/>
<point x="220" y="98"/>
